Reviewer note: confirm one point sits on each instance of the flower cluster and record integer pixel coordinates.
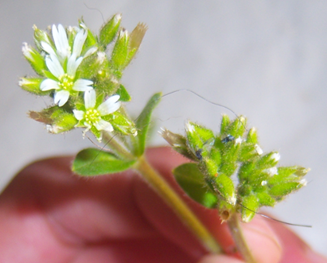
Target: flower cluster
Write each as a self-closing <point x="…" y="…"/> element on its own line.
<point x="217" y="157"/>
<point x="74" y="69"/>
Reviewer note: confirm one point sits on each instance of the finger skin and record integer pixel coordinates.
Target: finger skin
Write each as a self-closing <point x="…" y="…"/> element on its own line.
<point x="48" y="214"/>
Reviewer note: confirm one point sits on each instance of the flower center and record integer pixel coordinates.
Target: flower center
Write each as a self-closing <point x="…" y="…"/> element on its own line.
<point x="66" y="82"/>
<point x="92" y="116"/>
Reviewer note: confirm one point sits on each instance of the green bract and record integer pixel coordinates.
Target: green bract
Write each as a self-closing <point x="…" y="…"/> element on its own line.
<point x="216" y="157"/>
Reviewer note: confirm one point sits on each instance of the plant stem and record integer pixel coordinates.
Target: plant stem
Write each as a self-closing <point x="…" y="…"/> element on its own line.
<point x="234" y="225"/>
<point x="177" y="204"/>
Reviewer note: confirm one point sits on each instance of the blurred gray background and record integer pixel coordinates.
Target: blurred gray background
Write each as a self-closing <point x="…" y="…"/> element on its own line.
<point x="266" y="60"/>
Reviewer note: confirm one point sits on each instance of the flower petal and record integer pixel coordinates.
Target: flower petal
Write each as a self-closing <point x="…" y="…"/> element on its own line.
<point x="79" y="114"/>
<point x="73" y="64"/>
<point x="49" y="84"/>
<point x="47" y="48"/>
<point x="82" y="85"/>
<point x="90" y="51"/>
<point x="89" y="98"/>
<point x="61" y="97"/>
<point x="54" y="66"/>
<point x="110" y="105"/>
<point x="79" y="42"/>
<point x="61" y="41"/>
<point x="104" y="125"/>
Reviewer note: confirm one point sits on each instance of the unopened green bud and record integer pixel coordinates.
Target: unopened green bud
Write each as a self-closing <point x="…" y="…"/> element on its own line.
<point x="109" y="30"/>
<point x="121" y="123"/>
<point x="226" y="188"/>
<point x="211" y="167"/>
<point x="35" y="59"/>
<point x="178" y="142"/>
<point x="32" y="85"/>
<point x="269" y="160"/>
<point x="41" y="36"/>
<point x="265" y="199"/>
<point x="250" y="205"/>
<point x="284" y="188"/>
<point x="120" y="52"/>
<point x="198" y="136"/>
<point x="64" y="122"/>
<point x="252" y="136"/>
<point x="225" y="122"/>
<point x="237" y="127"/>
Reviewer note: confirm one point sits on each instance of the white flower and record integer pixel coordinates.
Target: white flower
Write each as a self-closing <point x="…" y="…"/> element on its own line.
<point x="63" y="63"/>
<point x="92" y="117"/>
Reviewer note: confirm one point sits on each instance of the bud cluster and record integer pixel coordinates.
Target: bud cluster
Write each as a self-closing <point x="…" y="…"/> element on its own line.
<point x="233" y="151"/>
<point x="77" y="70"/>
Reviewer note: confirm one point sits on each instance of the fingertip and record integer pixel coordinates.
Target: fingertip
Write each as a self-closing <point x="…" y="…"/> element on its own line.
<point x="219" y="259"/>
<point x="262" y="241"/>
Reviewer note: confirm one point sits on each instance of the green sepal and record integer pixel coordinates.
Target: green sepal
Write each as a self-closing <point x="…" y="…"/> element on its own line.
<point x="225" y="122"/>
<point x="42" y="36"/>
<point x="248" y="152"/>
<point x="226" y="188"/>
<point x="252" y="136"/>
<point x="124" y="95"/>
<point x="268" y="160"/>
<point x="121" y="123"/>
<point x="35" y="59"/>
<point x="91" y="162"/>
<point x="229" y="158"/>
<point x="237" y="127"/>
<point x="178" y="142"/>
<point x="119" y="54"/>
<point x="95" y="65"/>
<point x="33" y="85"/>
<point x="58" y="119"/>
<point x="198" y="136"/>
<point x="109" y="31"/>
<point x="191" y="180"/>
<point x="265" y="199"/>
<point x="143" y="123"/>
<point x="250" y="205"/>
<point x="211" y="166"/>
<point x="278" y="191"/>
<point x="62" y="123"/>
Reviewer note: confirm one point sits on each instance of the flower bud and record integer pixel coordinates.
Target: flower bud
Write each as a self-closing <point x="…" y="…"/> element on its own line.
<point x="41" y="36"/>
<point x="34" y="58"/>
<point x="226" y="188"/>
<point x="109" y="30"/>
<point x="32" y="85"/>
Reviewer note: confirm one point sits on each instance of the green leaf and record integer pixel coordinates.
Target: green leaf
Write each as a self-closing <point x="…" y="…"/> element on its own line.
<point x="191" y="180"/>
<point x="122" y="92"/>
<point x="143" y="122"/>
<point x="91" y="161"/>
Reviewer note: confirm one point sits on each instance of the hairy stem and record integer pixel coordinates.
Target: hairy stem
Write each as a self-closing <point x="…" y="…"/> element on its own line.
<point x="234" y="225"/>
<point x="177" y="204"/>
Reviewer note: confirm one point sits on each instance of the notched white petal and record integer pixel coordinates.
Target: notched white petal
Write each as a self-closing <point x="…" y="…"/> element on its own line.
<point x="110" y="105"/>
<point x="82" y="85"/>
<point x="103" y="125"/>
<point x="89" y="98"/>
<point x="61" y="97"/>
<point x="79" y="114"/>
<point x="49" y="84"/>
<point x="47" y="48"/>
<point x="79" y="42"/>
<point x="54" y="66"/>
